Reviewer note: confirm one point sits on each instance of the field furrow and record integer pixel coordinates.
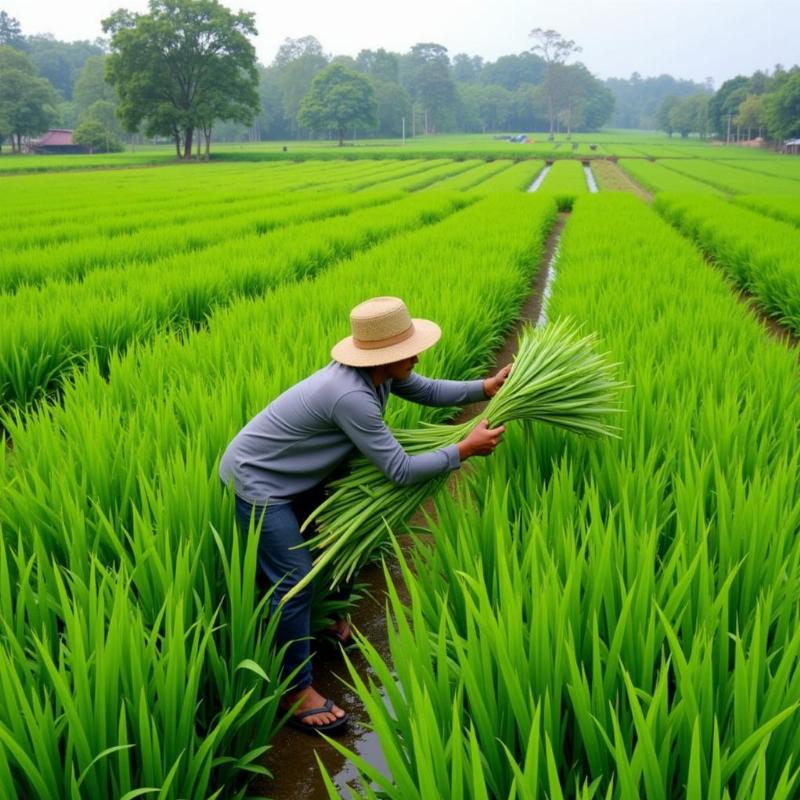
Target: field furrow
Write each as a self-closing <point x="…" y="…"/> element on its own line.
<point x="124" y="469"/>
<point x="661" y="570"/>
<point x="758" y="253"/>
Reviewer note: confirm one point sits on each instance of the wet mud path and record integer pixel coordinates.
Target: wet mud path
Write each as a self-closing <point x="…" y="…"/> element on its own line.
<point x="292" y="758"/>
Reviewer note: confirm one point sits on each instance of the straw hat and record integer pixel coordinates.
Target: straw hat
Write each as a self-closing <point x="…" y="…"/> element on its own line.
<point x="383" y="332"/>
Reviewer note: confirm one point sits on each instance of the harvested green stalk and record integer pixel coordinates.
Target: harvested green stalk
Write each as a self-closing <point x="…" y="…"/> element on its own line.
<point x="557" y="377"/>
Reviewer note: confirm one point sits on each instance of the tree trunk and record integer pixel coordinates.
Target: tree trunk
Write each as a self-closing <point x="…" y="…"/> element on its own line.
<point x="341" y="137"/>
<point x="207" y="136"/>
<point x="177" y="143"/>
<point x="187" y="143"/>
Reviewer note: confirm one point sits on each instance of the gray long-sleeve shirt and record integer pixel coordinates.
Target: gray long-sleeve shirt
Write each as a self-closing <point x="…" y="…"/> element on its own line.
<point x="302" y="435"/>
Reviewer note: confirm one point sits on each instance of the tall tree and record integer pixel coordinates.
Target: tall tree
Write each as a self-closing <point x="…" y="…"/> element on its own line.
<point x="182" y="65"/>
<point x="430" y="81"/>
<point x="341" y="99"/>
<point x="60" y="62"/>
<point x="782" y="106"/>
<point x="555" y="50"/>
<point x="10" y="31"/>
<point x="91" y="84"/>
<point x="393" y="106"/>
<point x="27" y="101"/>
<point x="467" y="69"/>
<point x="751" y="114"/>
<point x="295" y="65"/>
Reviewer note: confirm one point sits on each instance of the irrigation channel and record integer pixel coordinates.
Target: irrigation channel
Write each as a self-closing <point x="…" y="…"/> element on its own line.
<point x="292" y="758"/>
<point x="592" y="183"/>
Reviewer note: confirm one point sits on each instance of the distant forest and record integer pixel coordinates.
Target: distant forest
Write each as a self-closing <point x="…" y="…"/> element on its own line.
<point x="423" y="90"/>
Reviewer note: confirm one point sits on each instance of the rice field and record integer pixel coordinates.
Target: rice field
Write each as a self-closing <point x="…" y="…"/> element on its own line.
<point x="609" y="618"/>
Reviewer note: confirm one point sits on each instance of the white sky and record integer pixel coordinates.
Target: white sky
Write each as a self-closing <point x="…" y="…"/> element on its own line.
<point x="685" y="38"/>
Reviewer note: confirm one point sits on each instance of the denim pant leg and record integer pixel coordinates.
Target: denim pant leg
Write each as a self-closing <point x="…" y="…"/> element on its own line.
<point x="284" y="567"/>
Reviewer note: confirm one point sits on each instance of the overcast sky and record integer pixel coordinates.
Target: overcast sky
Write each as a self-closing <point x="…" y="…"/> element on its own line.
<point x="685" y="38"/>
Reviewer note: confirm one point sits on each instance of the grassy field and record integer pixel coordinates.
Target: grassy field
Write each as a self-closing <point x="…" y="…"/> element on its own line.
<point x="596" y="619"/>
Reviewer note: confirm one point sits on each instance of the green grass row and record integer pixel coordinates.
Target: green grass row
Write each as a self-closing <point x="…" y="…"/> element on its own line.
<point x="614" y="619"/>
<point x="132" y="638"/>
<point x="657" y="178"/>
<point x="109" y="203"/>
<point x="113" y="308"/>
<point x="786" y="209"/>
<point x="759" y="254"/>
<point x="731" y="179"/>
<point x="566" y="180"/>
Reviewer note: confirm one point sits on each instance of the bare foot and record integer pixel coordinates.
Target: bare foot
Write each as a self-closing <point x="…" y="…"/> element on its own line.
<point x="308" y="698"/>
<point x="341" y="628"/>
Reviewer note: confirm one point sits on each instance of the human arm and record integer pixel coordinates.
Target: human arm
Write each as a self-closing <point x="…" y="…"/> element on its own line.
<point x="360" y="417"/>
<point x="431" y="392"/>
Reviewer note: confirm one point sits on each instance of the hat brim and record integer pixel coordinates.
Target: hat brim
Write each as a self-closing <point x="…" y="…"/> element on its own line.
<point x="426" y="334"/>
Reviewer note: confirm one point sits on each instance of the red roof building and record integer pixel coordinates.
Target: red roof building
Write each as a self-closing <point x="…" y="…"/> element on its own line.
<point x="57" y="140"/>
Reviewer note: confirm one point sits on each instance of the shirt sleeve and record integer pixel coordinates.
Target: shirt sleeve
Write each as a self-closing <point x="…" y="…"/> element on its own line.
<point x="430" y="392"/>
<point x="359" y="416"/>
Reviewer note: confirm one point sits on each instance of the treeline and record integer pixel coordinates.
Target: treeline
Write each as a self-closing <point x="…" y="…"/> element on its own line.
<point x="435" y="93"/>
<point x="47" y="83"/>
<point x="762" y="105"/>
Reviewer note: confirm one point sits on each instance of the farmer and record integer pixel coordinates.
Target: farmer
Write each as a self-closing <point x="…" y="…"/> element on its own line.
<point x="277" y="464"/>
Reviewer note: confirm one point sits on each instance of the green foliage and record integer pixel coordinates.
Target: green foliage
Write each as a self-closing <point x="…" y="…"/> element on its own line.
<point x="782" y="107"/>
<point x="618" y="619"/>
<point x="97" y="137"/>
<point x="180" y="67"/>
<point x="91" y="85"/>
<point x="758" y="253"/>
<point x="27" y="102"/>
<point x="60" y="62"/>
<point x="10" y="31"/>
<point x="340" y="99"/>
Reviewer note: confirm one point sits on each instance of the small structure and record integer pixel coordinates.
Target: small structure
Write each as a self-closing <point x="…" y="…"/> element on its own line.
<point x="57" y="140"/>
<point x="792" y="146"/>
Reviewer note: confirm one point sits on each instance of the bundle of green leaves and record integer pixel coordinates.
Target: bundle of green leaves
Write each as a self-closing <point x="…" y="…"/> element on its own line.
<point x="558" y="377"/>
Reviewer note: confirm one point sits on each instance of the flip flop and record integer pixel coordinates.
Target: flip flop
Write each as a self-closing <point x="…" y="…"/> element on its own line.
<point x="332" y="728"/>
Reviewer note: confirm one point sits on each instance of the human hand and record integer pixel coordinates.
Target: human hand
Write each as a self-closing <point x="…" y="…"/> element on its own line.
<point x="491" y="386"/>
<point x="481" y="440"/>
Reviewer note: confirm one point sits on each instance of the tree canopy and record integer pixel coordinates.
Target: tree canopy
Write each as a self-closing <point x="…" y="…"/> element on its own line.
<point x="27" y="101"/>
<point x="181" y="66"/>
<point x="339" y="99"/>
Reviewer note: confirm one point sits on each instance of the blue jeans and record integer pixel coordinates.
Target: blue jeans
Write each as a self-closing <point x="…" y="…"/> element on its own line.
<point x="283" y="567"/>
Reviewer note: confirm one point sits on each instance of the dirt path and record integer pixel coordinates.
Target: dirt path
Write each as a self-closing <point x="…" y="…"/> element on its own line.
<point x="292" y="759"/>
<point x="611" y="178"/>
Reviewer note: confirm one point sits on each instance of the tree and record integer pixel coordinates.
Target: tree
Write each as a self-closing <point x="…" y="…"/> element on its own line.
<point x="467" y="69"/>
<point x="180" y="67"/>
<point x="10" y="31"/>
<point x="296" y="64"/>
<point x="393" y="106"/>
<point x="664" y="111"/>
<point x="431" y="84"/>
<point x="91" y="84"/>
<point x="782" y="107"/>
<point x="96" y="137"/>
<point x="380" y="64"/>
<point x="60" y="62"/>
<point x="339" y="98"/>
<point x="27" y="101"/>
<point x="555" y="50"/>
<point x="513" y="71"/>
<point x="751" y="113"/>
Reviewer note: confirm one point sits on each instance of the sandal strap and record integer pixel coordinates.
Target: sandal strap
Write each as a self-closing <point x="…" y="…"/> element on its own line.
<point x="312" y="711"/>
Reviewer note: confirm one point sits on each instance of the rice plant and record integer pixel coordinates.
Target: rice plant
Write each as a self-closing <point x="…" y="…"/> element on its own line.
<point x="613" y="618"/>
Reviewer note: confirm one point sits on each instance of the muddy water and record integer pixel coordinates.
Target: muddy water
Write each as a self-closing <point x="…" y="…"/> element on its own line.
<point x="292" y="759"/>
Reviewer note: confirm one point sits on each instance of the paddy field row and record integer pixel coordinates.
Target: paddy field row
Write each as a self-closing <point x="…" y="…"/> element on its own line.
<point x="628" y="606"/>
